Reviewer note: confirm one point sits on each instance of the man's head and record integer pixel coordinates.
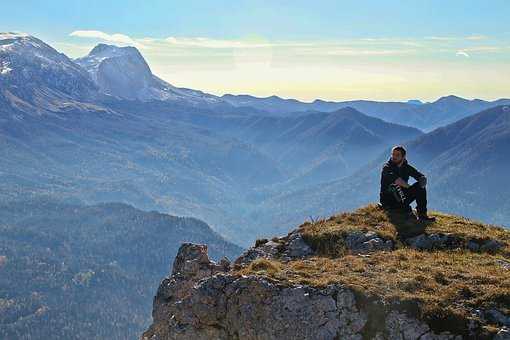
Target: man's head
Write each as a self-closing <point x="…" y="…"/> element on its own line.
<point x="398" y="154"/>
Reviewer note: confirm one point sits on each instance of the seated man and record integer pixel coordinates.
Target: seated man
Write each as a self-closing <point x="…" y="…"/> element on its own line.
<point x="396" y="192"/>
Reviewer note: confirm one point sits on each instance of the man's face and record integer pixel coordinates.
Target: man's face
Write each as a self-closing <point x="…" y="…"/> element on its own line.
<point x="396" y="157"/>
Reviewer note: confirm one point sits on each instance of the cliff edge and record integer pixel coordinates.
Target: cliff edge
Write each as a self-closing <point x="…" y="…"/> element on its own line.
<point x="360" y="275"/>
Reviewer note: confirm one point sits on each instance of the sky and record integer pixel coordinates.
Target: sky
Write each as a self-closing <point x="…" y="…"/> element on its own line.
<point x="331" y="50"/>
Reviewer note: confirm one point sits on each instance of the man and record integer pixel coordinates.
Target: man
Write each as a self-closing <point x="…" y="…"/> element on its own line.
<point x="396" y="192"/>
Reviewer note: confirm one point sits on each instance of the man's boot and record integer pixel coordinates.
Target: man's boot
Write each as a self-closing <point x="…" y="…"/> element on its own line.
<point x="423" y="217"/>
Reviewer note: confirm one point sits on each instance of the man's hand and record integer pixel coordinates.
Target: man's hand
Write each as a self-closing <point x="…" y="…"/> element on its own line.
<point x="401" y="183"/>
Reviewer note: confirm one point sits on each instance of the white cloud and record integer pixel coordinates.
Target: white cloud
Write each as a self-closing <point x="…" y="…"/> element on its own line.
<point x="462" y="54"/>
<point x="115" y="38"/>
<point x="476" y="37"/>
<point x="450" y="38"/>
<point x="365" y="52"/>
<point x="483" y="49"/>
<point x="217" y="43"/>
<point x="440" y="38"/>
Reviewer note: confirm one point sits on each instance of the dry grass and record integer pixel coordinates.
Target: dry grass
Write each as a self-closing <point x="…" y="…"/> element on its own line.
<point x="326" y="236"/>
<point x="445" y="285"/>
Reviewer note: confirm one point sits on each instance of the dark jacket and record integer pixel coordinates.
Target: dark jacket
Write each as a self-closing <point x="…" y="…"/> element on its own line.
<point x="390" y="172"/>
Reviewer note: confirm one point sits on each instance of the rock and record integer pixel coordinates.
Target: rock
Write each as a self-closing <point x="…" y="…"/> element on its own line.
<point x="503" y="263"/>
<point x="200" y="300"/>
<point x="503" y="334"/>
<point x="473" y="245"/>
<point x="191" y="264"/>
<point x="399" y="326"/>
<point x="491" y="246"/>
<point x="291" y="247"/>
<point x="362" y="243"/>
<point x="296" y="247"/>
<point x="497" y="317"/>
<point x="434" y="241"/>
<point x="267" y="250"/>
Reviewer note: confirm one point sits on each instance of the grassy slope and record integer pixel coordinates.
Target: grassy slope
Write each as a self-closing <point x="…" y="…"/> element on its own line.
<point x="444" y="287"/>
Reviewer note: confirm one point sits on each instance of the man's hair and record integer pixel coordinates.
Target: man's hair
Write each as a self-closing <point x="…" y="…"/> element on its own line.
<point x="401" y="149"/>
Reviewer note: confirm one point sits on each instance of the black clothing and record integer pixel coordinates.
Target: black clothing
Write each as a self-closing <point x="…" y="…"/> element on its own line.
<point x="416" y="192"/>
<point x="390" y="172"/>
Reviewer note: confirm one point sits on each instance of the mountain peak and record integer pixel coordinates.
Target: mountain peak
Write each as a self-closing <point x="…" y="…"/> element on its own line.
<point x="13" y="35"/>
<point x="22" y="43"/>
<point x="450" y="99"/>
<point x="113" y="50"/>
<point x="414" y="102"/>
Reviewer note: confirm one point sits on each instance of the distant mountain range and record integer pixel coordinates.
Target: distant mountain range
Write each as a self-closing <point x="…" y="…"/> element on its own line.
<point x="317" y="147"/>
<point x="70" y="271"/>
<point x="103" y="134"/>
<point x="118" y="134"/>
<point x="467" y="164"/>
<point x="424" y="116"/>
<point x="103" y="128"/>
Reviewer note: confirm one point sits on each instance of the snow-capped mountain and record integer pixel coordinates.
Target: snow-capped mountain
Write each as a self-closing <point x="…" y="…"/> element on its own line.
<point x="35" y="77"/>
<point x="124" y="73"/>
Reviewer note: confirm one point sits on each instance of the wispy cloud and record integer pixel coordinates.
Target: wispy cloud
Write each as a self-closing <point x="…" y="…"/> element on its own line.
<point x="254" y="47"/>
<point x="451" y="38"/>
<point x="462" y="54"/>
<point x="477" y="37"/>
<point x="114" y="38"/>
<point x="214" y="43"/>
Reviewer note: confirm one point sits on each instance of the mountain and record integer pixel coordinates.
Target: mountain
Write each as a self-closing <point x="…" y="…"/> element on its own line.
<point x="36" y="79"/>
<point x="70" y="271"/>
<point x="415" y="102"/>
<point x="466" y="163"/>
<point x="81" y="144"/>
<point x="469" y="162"/>
<point x="273" y="104"/>
<point x="355" y="275"/>
<point x="317" y="147"/>
<point x="123" y="72"/>
<point x="424" y="116"/>
<point x="214" y="162"/>
<point x="230" y="166"/>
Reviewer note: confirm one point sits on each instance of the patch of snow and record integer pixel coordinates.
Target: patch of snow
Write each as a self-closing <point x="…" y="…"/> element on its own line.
<point x="4" y="68"/>
<point x="13" y="35"/>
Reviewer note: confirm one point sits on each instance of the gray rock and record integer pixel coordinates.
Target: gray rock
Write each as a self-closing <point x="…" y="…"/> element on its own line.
<point x="362" y="243"/>
<point x="399" y="326"/>
<point x="202" y="301"/>
<point x="434" y="241"/>
<point x="504" y="264"/>
<point x="473" y="246"/>
<point x="503" y="334"/>
<point x="252" y="254"/>
<point x="497" y="317"/>
<point x="296" y="247"/>
<point x="491" y="246"/>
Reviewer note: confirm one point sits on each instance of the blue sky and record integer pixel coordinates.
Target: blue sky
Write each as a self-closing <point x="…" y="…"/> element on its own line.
<point x="386" y="50"/>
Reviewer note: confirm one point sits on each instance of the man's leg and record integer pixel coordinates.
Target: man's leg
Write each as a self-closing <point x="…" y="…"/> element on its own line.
<point x="416" y="192"/>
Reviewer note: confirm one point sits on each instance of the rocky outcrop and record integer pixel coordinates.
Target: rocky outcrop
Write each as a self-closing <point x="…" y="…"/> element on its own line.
<point x="204" y="300"/>
<point x="353" y="276"/>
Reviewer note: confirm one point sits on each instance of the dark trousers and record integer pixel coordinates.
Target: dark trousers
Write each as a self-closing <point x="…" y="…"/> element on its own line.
<point x="415" y="192"/>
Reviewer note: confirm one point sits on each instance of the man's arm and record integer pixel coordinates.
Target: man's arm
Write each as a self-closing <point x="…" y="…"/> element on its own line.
<point x="414" y="173"/>
<point x="388" y="177"/>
